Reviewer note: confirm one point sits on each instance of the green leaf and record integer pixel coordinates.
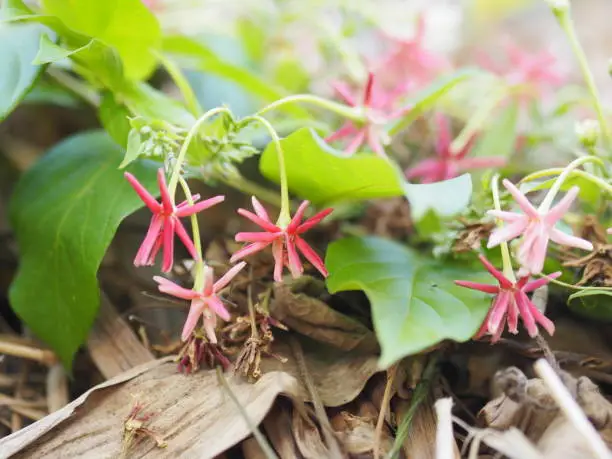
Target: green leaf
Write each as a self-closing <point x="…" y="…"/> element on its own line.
<point x="10" y="9"/>
<point x="500" y="139"/>
<point x="115" y="118"/>
<point x="49" y="51"/>
<point x="18" y="47"/>
<point x="321" y="174"/>
<point x="592" y="303"/>
<point x="415" y="303"/>
<point x="194" y="55"/>
<point x="127" y="25"/>
<point x="65" y="211"/>
<point x="429" y="96"/>
<point x="446" y="198"/>
<point x="134" y="148"/>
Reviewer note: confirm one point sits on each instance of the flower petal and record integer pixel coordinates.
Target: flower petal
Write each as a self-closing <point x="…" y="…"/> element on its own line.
<point x="209" y="277"/>
<point x="311" y="256"/>
<point x="357" y="141"/>
<point x="539" y="318"/>
<point x="478" y="286"/>
<point x="228" y="276"/>
<point x="508" y="217"/>
<point x="293" y="259"/>
<point x="181" y="232"/>
<point x="146" y="197"/>
<point x="266" y="225"/>
<point x="257" y="237"/>
<point x="491" y="162"/>
<point x="260" y="210"/>
<point x="428" y="170"/>
<point x="562" y="238"/>
<point x="443" y="141"/>
<point x="279" y="261"/>
<point x="167" y="200"/>
<point x="297" y="217"/>
<point x="348" y="129"/>
<point x="248" y="250"/>
<point x="536" y="284"/>
<point x="168" y="260"/>
<point x="521" y="200"/>
<point x="507" y="232"/>
<point x="210" y="323"/>
<point x="344" y="91"/>
<point x="556" y="213"/>
<point x="195" y="312"/>
<point x="198" y="207"/>
<point x="169" y="287"/>
<point x="217" y="306"/>
<point x="526" y="314"/>
<point x="503" y="281"/>
<point x="312" y="221"/>
<point x="148" y="249"/>
<point x="499" y="309"/>
<point x="368" y="90"/>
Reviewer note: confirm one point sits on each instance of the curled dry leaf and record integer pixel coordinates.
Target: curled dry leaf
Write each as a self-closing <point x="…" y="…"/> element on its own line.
<point x="194" y="415"/>
<point x="357" y="432"/>
<point x="314" y="318"/>
<point x="277" y="425"/>
<point x="527" y="405"/>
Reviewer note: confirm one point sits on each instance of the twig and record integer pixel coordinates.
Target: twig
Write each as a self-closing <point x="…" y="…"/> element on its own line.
<point x="43" y="356"/>
<point x="330" y="439"/>
<point x="263" y="442"/>
<point x="384" y="406"/>
<point x="57" y="388"/>
<point x="571" y="409"/>
<point x="420" y="393"/>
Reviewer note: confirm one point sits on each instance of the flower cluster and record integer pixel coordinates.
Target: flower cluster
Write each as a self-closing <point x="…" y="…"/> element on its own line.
<point x="206" y="302"/>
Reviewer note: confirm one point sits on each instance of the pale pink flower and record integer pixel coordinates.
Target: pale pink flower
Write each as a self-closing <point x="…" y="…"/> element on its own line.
<point x="205" y="302"/>
<point x="536" y="227"/>
<point x="536" y="70"/>
<point x="447" y="164"/>
<point x="285" y="241"/>
<point x="378" y="110"/>
<point x="410" y="61"/>
<point x="166" y="222"/>
<point x="510" y="302"/>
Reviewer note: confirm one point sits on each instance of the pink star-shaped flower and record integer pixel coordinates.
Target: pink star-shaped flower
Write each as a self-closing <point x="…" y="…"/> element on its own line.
<point x="511" y="301"/>
<point x="447" y="164"/>
<point x="536" y="228"/>
<point x="409" y="60"/>
<point x="166" y="222"/>
<point x="285" y="241"/>
<point x="205" y="302"/>
<point x="378" y="110"/>
<point x="535" y="70"/>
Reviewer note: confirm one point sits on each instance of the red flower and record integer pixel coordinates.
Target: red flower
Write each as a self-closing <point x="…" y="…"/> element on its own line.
<point x="285" y="241"/>
<point x="165" y="222"/>
<point x="510" y="302"/>
<point x="205" y="302"/>
<point x="447" y="164"/>
<point x="378" y="110"/>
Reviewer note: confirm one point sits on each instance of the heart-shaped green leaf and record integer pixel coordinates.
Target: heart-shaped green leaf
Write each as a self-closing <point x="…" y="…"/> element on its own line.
<point x="18" y="47"/>
<point x="126" y="25"/>
<point x="321" y="174"/>
<point x="65" y="211"/>
<point x="415" y="303"/>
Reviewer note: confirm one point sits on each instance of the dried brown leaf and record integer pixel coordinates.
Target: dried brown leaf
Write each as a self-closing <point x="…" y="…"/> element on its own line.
<point x="277" y="425"/>
<point x="193" y="415"/>
<point x="314" y="318"/>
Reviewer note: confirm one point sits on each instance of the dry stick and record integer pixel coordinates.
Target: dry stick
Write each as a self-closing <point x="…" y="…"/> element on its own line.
<point x="332" y="444"/>
<point x="57" y="388"/>
<point x="43" y="356"/>
<point x="263" y="442"/>
<point x="571" y="409"/>
<point x="384" y="406"/>
<point x="445" y="440"/>
<point x="420" y="393"/>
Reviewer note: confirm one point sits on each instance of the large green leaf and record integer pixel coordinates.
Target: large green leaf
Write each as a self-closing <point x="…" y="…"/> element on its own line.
<point x="323" y="175"/>
<point x="127" y="25"/>
<point x="415" y="303"/>
<point x="65" y="211"/>
<point x="592" y="303"/>
<point x="18" y="47"/>
<point x="446" y="198"/>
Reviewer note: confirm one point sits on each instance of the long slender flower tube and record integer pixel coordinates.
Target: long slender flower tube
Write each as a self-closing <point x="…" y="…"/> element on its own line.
<point x="536" y="226"/>
<point x="447" y="164"/>
<point x="166" y="222"/>
<point x="510" y="303"/>
<point x="205" y="302"/>
<point x="378" y="108"/>
<point x="286" y="240"/>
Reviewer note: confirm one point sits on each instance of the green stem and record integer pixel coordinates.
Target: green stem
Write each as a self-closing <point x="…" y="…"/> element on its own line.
<point x="284" y="216"/>
<point x="478" y="119"/>
<point x="343" y="110"/>
<point x="557" y="170"/>
<point x="75" y="86"/>
<point x="176" y="172"/>
<point x="567" y="24"/>
<point x="573" y="287"/>
<point x="420" y="393"/>
<point x="195" y="229"/>
<point x="181" y="82"/>
<point x="550" y="197"/>
<point x="505" y="251"/>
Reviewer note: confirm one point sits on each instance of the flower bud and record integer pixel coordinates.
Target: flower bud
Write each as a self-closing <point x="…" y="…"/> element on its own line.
<point x="588" y="132"/>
